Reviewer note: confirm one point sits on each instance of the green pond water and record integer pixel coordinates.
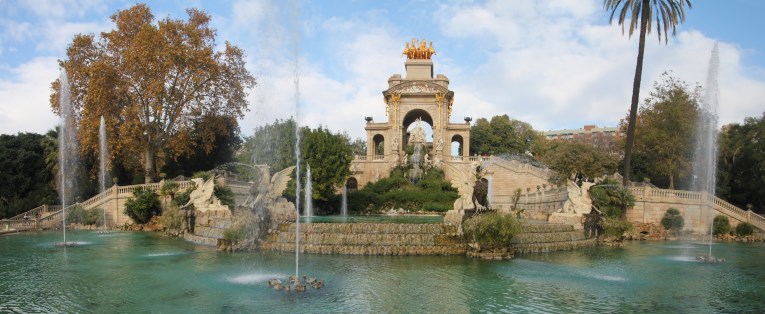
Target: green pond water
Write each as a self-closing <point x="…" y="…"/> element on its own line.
<point x="129" y="272"/>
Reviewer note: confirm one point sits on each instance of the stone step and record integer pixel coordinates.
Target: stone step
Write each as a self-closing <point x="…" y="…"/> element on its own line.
<point x="546" y="228"/>
<point x="370" y="228"/>
<point x="200" y="239"/>
<point x="210" y="232"/>
<point x="366" y="239"/>
<point x="552" y="246"/>
<point x="366" y="250"/>
<point x="548" y="237"/>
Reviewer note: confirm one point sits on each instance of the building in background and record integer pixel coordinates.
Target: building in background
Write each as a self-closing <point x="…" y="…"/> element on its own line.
<point x="604" y="138"/>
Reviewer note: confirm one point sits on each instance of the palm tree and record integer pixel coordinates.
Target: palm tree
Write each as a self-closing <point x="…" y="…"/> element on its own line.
<point x="667" y="13"/>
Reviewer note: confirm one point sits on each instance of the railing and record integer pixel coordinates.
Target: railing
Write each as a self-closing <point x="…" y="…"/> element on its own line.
<point x="49" y="215"/>
<point x="361" y="157"/>
<point x="379" y="157"/>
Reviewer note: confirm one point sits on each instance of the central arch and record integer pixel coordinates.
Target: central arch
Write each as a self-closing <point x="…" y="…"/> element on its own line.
<point x="411" y="117"/>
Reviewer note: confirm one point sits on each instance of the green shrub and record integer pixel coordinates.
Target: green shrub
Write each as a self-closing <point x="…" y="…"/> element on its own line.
<point x="672" y="220"/>
<point x="615" y="227"/>
<point x="169" y="188"/>
<point x="143" y="205"/>
<point x="94" y="217"/>
<point x="611" y="198"/>
<point x="492" y="229"/>
<point x="182" y="198"/>
<point x="721" y="225"/>
<point x="204" y="175"/>
<point x="234" y="233"/>
<point x="225" y="195"/>
<point x="361" y="200"/>
<point x="172" y="218"/>
<point x="744" y="229"/>
<point x="75" y="214"/>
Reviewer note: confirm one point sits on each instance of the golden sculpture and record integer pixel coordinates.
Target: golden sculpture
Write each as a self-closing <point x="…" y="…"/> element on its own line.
<point x="421" y="51"/>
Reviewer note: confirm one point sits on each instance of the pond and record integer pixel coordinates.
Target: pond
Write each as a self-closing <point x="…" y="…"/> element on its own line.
<point x="145" y="272"/>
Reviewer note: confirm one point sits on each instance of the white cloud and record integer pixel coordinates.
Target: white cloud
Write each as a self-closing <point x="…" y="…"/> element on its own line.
<point x="25" y="106"/>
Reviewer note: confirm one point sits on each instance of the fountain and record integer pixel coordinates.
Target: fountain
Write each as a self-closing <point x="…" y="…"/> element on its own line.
<point x="103" y="155"/>
<point x="344" y="204"/>
<point x="67" y="158"/>
<point x="308" y="210"/>
<point x="705" y="161"/>
<point x="295" y="32"/>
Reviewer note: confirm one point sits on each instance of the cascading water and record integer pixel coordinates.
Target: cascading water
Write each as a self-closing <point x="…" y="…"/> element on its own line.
<point x="488" y="192"/>
<point x="705" y="159"/>
<point x="103" y="155"/>
<point x="308" y="210"/>
<point x="344" y="205"/>
<point x="67" y="143"/>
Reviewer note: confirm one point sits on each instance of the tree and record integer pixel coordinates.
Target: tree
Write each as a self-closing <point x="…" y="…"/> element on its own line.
<point x="569" y="159"/>
<point x="503" y="135"/>
<point x="271" y="144"/>
<point x="329" y="155"/>
<point x="220" y="131"/>
<point x="152" y="81"/>
<point x="665" y="141"/>
<point x="741" y="163"/>
<point x="667" y="13"/>
<point x="672" y="220"/>
<point x="612" y="198"/>
<point x="24" y="181"/>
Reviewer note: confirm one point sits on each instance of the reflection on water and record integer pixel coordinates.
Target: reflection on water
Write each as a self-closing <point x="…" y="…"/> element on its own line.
<point x="143" y="272"/>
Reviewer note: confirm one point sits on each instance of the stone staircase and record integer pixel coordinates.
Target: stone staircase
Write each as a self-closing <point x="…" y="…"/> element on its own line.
<point x="209" y="227"/>
<point x="367" y="239"/>
<point x="549" y="238"/>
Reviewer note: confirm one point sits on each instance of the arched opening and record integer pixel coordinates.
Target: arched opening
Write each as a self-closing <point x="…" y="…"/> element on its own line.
<point x="457" y="145"/>
<point x="378" y="142"/>
<point x="351" y="184"/>
<point x="410" y="122"/>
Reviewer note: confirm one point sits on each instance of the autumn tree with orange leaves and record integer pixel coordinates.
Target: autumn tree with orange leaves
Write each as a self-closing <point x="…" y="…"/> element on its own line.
<point x="153" y="81"/>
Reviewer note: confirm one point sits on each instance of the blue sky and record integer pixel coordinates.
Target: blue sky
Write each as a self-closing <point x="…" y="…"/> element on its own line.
<point x="554" y="64"/>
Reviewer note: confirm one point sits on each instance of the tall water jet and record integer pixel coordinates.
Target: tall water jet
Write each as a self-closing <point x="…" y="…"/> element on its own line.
<point x="295" y="31"/>
<point x="705" y="159"/>
<point x="308" y="210"/>
<point x="103" y="155"/>
<point x="344" y="204"/>
<point x="67" y="143"/>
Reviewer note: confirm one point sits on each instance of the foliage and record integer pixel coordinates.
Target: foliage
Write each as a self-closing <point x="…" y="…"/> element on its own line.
<point x="744" y="229"/>
<point x="204" y="175"/>
<point x="143" y="205"/>
<point x="431" y="193"/>
<point x="25" y="179"/>
<point x="667" y="13"/>
<point x="225" y="195"/>
<point x="568" y="159"/>
<point x="172" y="218"/>
<point x="75" y="214"/>
<point x="153" y="81"/>
<point x="271" y="144"/>
<point x="672" y="220"/>
<point x="611" y="198"/>
<point x="223" y="134"/>
<point x="492" y="229"/>
<point x="741" y="163"/>
<point x="721" y="225"/>
<point x="615" y="227"/>
<point x="502" y="135"/>
<point x="183" y="198"/>
<point x="169" y="188"/>
<point x="664" y="142"/>
<point x="94" y="217"/>
<point x="329" y="155"/>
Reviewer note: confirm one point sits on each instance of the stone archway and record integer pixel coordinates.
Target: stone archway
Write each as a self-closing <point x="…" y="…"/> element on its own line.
<point x="458" y="145"/>
<point x="351" y="184"/>
<point x="378" y="142"/>
<point x="411" y="117"/>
